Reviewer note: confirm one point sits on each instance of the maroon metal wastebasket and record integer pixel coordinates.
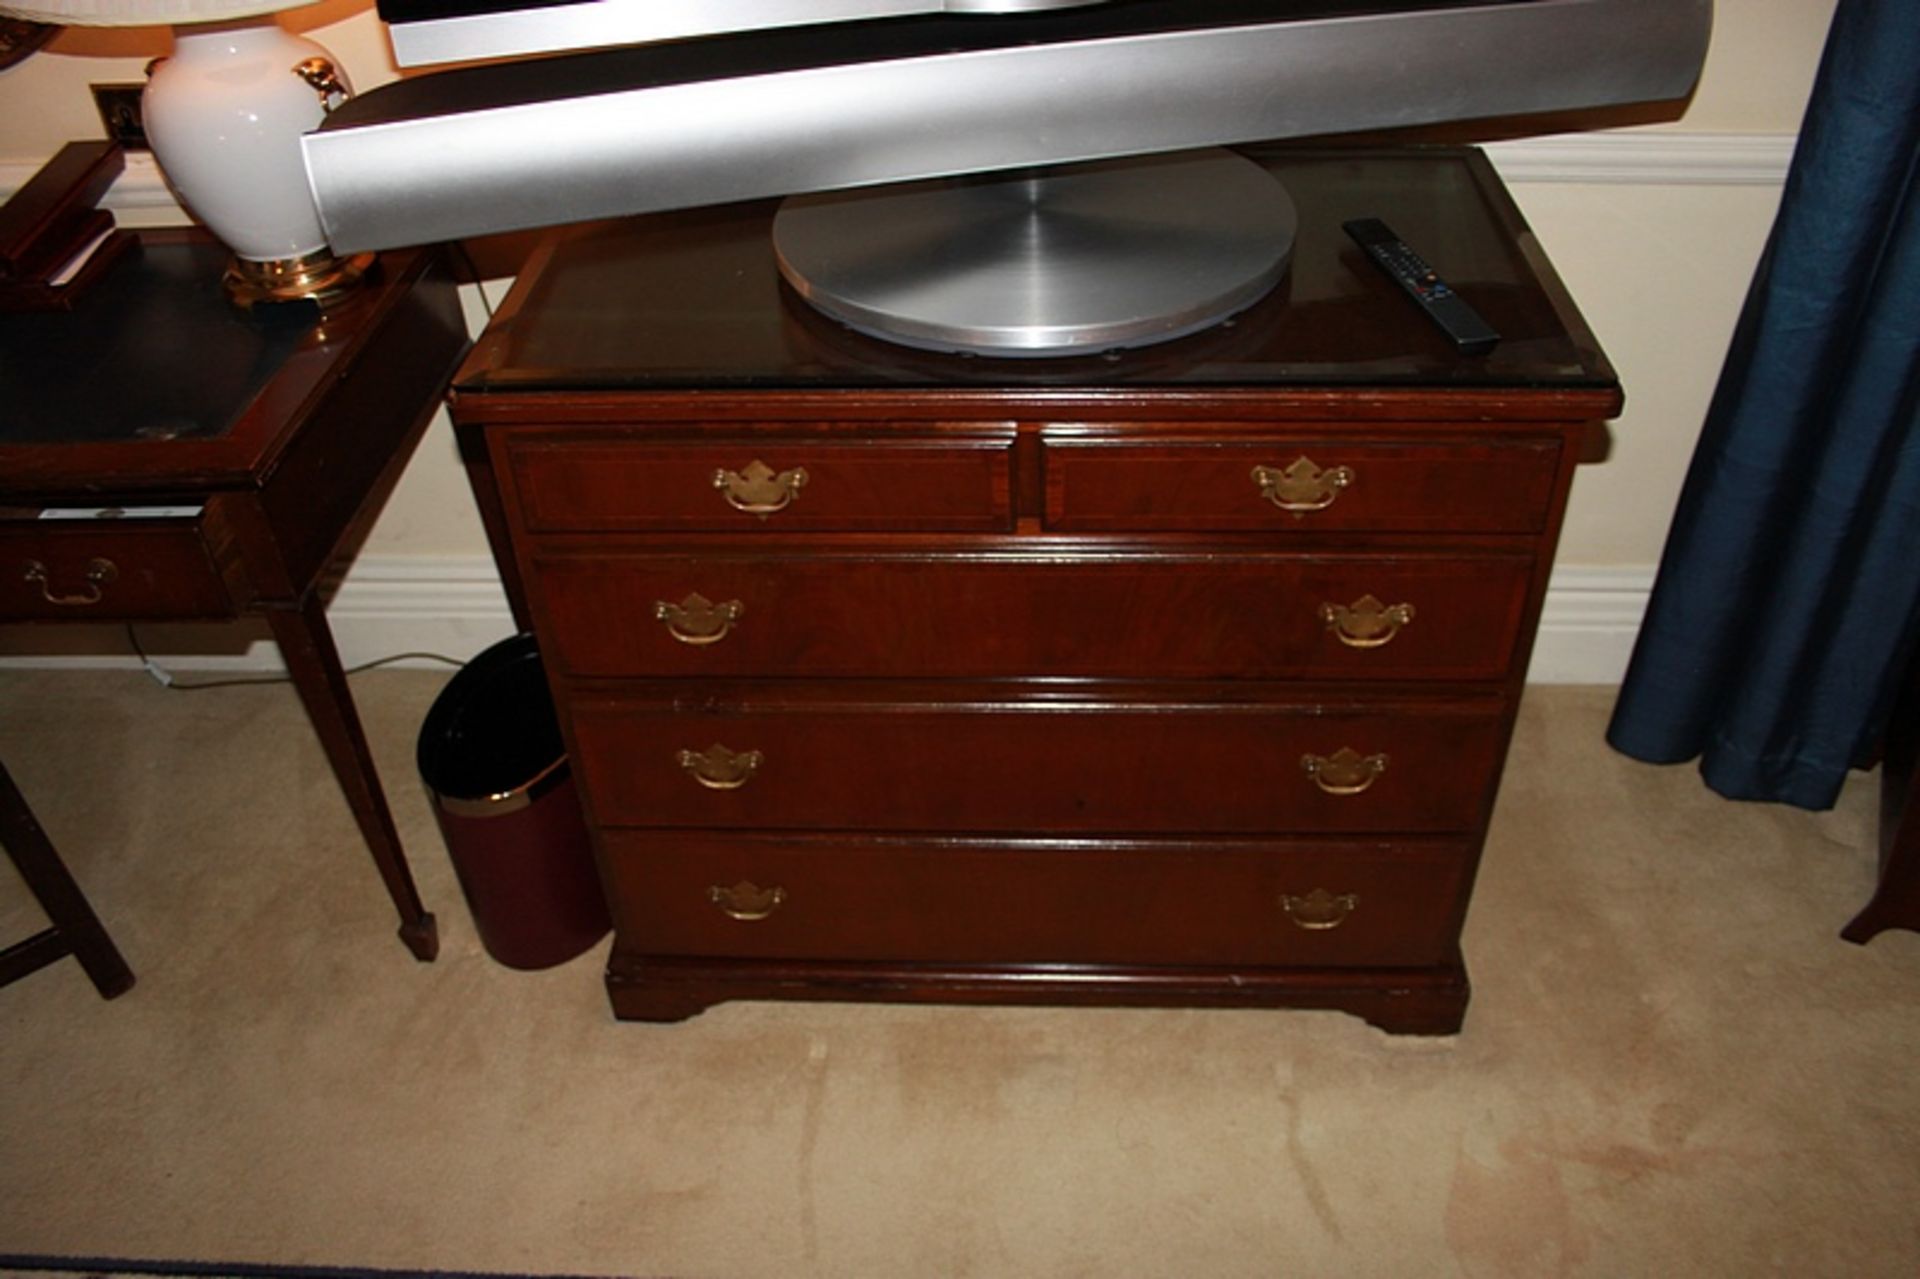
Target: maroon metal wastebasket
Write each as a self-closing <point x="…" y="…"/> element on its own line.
<point x="494" y="764"/>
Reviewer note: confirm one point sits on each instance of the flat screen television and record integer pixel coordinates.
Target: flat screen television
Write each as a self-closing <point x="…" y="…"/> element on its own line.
<point x="611" y="107"/>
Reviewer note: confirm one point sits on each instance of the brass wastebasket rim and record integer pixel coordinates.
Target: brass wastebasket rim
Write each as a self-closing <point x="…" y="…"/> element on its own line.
<point x="500" y="803"/>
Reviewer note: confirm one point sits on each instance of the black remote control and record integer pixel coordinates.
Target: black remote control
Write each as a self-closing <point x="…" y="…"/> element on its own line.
<point x="1471" y="335"/>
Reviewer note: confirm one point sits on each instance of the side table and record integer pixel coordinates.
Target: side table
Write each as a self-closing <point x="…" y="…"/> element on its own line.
<point x="165" y="456"/>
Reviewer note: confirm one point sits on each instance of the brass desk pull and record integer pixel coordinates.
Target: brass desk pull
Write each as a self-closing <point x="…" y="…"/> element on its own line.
<point x="1303" y="486"/>
<point x="1319" y="910"/>
<point x="1345" y="772"/>
<point x="99" y="573"/>
<point x="759" y="490"/>
<point x="697" y="619"/>
<point x="746" y="900"/>
<point x="718" y="768"/>
<point x="1366" y="623"/>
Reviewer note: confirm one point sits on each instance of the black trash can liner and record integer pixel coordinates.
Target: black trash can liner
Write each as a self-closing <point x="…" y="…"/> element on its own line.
<point x="496" y="769"/>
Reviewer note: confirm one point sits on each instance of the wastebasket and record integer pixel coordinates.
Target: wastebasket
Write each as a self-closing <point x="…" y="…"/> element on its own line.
<point x="493" y="762"/>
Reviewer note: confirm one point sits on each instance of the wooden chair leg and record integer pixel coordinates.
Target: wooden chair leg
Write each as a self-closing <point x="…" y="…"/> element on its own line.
<point x="76" y="930"/>
<point x="1896" y="901"/>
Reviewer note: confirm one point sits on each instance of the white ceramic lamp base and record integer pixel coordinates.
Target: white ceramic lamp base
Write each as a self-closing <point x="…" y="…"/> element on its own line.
<point x="224" y="116"/>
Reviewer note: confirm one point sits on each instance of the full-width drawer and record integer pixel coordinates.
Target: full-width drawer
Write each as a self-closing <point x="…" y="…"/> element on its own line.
<point x="1283" y="903"/>
<point x="1300" y="483"/>
<point x="768" y="758"/>
<point x="105" y="569"/>
<point x="776" y="483"/>
<point x="1242" y="615"/>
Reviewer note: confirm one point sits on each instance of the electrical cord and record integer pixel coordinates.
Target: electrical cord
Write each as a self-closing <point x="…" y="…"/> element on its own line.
<point x="165" y="679"/>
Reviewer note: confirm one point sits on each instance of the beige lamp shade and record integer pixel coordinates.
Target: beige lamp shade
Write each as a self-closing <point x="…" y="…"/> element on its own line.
<point x="140" y="13"/>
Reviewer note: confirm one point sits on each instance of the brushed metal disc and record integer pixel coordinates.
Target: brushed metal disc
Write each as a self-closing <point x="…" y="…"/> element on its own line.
<point x="1056" y="262"/>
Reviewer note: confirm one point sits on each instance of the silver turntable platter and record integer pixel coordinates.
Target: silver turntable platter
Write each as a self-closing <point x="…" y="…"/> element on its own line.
<point x="1056" y="262"/>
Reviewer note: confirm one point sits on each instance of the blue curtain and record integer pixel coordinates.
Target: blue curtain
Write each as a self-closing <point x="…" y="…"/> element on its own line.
<point x="1788" y="598"/>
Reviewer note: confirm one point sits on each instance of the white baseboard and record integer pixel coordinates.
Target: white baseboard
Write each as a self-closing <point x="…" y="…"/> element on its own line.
<point x="453" y="606"/>
<point x="1589" y="623"/>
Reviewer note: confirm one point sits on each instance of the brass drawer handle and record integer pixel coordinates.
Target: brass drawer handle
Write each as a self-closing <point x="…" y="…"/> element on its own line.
<point x="718" y="768"/>
<point x="746" y="900"/>
<point x="1319" y="910"/>
<point x="1303" y="486"/>
<point x="759" y="490"/>
<point x="1365" y="623"/>
<point x="100" y="572"/>
<point x="697" y="619"/>
<point x="1345" y="772"/>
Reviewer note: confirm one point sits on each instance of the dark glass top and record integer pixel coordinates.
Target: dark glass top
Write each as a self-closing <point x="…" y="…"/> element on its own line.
<point x="154" y="351"/>
<point x="694" y="300"/>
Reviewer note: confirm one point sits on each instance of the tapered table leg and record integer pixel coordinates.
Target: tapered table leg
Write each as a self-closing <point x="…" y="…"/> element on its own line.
<point x="306" y="644"/>
<point x="76" y="930"/>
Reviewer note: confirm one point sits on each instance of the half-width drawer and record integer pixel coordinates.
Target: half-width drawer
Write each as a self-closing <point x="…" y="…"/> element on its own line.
<point x="1025" y="613"/>
<point x="108" y="570"/>
<point x="766" y="758"/>
<point x="772" y="483"/>
<point x="1304" y="483"/>
<point x="1304" y="903"/>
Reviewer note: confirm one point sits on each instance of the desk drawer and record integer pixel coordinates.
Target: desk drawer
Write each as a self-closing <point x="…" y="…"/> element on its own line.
<point x="1028" y="614"/>
<point x="774" y="484"/>
<point x="1305" y="903"/>
<point x="1304" y="483"/>
<point x="771" y="758"/>
<point x="108" y="570"/>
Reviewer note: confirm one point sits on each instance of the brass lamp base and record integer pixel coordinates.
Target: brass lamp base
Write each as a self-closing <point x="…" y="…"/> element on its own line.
<point x="319" y="276"/>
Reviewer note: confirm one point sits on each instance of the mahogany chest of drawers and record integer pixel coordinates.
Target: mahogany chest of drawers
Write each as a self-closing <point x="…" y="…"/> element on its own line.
<point x="1178" y="676"/>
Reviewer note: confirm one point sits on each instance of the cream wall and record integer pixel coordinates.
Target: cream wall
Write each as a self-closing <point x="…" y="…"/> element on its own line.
<point x="1660" y="264"/>
<point x="1656" y="231"/>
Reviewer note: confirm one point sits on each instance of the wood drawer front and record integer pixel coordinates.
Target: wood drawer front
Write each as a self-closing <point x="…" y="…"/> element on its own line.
<point x="961" y="484"/>
<point x="1325" y="482"/>
<point x="1191" y="615"/>
<point x="92" y="570"/>
<point x="1117" y="766"/>
<point x="836" y="897"/>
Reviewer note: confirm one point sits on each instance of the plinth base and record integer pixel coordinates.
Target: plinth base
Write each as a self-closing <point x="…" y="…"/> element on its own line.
<point x="1414" y="1001"/>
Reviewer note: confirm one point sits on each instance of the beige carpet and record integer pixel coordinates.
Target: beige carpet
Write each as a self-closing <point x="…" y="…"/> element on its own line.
<point x="1672" y="1066"/>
